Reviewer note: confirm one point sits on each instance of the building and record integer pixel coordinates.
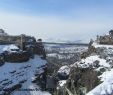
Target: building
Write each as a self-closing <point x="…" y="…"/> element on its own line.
<point x="106" y="39"/>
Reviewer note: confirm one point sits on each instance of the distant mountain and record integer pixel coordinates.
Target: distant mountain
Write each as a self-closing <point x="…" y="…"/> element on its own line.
<point x="66" y="41"/>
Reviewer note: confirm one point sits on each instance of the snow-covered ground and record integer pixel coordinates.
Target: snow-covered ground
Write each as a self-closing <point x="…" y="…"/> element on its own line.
<point x="104" y="58"/>
<point x="98" y="45"/>
<point x="105" y="88"/>
<point x="9" y="48"/>
<point x="14" y="73"/>
<point x="91" y="61"/>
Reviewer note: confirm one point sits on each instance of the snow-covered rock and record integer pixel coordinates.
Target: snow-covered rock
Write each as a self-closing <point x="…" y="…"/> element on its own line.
<point x="91" y="61"/>
<point x="11" y="48"/>
<point x="62" y="83"/>
<point x="63" y="72"/>
<point x="102" y="62"/>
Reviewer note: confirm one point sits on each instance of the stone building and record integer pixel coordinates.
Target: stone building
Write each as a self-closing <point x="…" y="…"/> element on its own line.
<point x="106" y="39"/>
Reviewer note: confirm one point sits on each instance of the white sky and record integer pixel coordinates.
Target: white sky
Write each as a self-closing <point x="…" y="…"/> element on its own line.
<point x="53" y="27"/>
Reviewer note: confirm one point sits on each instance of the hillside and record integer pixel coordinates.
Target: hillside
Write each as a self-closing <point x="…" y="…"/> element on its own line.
<point x="17" y="77"/>
<point x="106" y="87"/>
<point x="92" y="75"/>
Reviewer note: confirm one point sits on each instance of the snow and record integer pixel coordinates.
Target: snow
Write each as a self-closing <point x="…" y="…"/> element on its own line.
<point x="16" y="72"/>
<point x="90" y="61"/>
<point x="64" y="70"/>
<point x="62" y="83"/>
<point x="10" y="48"/>
<point x="104" y="59"/>
<point x="99" y="45"/>
<point x="105" y="88"/>
<point x="2" y="47"/>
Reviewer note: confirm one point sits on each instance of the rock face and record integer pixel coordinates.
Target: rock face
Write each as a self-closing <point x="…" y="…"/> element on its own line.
<point x="82" y="77"/>
<point x="11" y="53"/>
<point x="39" y="49"/>
<point x="17" y="57"/>
<point x="36" y="48"/>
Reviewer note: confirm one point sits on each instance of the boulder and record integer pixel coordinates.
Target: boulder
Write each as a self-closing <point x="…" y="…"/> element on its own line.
<point x="63" y="72"/>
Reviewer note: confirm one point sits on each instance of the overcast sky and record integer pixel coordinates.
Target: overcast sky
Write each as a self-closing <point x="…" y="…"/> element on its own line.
<point x="57" y="19"/>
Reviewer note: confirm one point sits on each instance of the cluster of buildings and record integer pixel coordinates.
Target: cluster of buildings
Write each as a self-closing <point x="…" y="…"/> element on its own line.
<point x="106" y="39"/>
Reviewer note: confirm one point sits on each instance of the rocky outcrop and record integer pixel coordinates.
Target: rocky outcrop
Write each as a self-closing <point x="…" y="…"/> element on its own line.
<point x="82" y="77"/>
<point x="37" y="48"/>
<point x="90" y="51"/>
<point x="17" y="57"/>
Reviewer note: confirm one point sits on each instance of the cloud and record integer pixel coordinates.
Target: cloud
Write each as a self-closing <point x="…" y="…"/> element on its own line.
<point x="55" y="27"/>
